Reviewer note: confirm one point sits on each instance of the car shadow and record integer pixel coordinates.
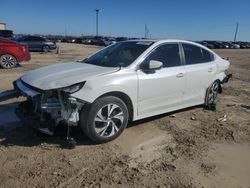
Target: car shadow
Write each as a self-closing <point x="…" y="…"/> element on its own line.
<point x="15" y="133"/>
<point x="153" y="118"/>
<point x="17" y="66"/>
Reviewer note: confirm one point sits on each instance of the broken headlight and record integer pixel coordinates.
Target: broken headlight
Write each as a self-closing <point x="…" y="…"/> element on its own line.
<point x="73" y="88"/>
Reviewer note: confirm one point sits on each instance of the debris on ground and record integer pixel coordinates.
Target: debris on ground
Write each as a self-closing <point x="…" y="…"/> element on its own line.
<point x="172" y="116"/>
<point x="245" y="106"/>
<point x="231" y="104"/>
<point x="193" y="118"/>
<point x="212" y="107"/>
<point x="222" y="119"/>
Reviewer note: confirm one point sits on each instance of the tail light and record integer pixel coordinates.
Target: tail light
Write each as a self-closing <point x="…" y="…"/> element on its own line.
<point x="23" y="48"/>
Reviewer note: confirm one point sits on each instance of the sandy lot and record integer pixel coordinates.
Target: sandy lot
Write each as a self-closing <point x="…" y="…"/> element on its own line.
<point x="170" y="150"/>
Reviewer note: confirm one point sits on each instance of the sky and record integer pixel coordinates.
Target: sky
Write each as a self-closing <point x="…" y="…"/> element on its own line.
<point x="180" y="19"/>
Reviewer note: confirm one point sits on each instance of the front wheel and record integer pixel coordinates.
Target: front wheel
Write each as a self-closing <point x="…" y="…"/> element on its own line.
<point x="105" y="119"/>
<point x="212" y="93"/>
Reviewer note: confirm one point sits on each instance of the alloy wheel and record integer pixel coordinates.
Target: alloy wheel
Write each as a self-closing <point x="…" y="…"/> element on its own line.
<point x="213" y="93"/>
<point x="8" y="61"/>
<point x="108" y="120"/>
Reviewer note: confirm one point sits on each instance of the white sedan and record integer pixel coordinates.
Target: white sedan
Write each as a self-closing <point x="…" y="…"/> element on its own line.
<point x="124" y="82"/>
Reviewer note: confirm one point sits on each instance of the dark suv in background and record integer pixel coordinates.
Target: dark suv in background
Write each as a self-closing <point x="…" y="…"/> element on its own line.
<point x="36" y="43"/>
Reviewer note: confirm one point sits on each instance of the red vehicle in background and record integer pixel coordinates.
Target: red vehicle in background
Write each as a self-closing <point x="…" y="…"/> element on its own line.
<point x="12" y="53"/>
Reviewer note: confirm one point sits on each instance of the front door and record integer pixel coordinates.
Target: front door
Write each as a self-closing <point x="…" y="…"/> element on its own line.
<point x="161" y="91"/>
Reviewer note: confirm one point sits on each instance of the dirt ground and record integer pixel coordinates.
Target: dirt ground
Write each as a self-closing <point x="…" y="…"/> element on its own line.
<point x="188" y="148"/>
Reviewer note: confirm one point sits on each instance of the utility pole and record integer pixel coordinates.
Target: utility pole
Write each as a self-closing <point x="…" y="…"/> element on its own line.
<point x="97" y="14"/>
<point x="146" y="31"/>
<point x="65" y="32"/>
<point x="236" y="31"/>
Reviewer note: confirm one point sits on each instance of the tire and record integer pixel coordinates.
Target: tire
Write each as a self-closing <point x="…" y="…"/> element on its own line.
<point x="8" y="61"/>
<point x="212" y="92"/>
<point x="105" y="119"/>
<point x="45" y="49"/>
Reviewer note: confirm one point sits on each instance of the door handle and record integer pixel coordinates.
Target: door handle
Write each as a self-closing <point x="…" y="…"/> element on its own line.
<point x="180" y="75"/>
<point x="210" y="70"/>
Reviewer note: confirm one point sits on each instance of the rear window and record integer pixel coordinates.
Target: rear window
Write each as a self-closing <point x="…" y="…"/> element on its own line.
<point x="195" y="54"/>
<point x="207" y="56"/>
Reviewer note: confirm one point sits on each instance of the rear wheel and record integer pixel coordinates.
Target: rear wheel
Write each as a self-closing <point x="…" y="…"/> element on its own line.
<point x="212" y="93"/>
<point x="8" y="61"/>
<point x="105" y="119"/>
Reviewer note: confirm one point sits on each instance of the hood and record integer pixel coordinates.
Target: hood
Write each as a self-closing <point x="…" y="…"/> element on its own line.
<point x="63" y="75"/>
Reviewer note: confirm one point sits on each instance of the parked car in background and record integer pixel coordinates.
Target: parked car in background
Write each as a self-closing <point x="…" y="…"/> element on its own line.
<point x="78" y="40"/>
<point x="235" y="45"/>
<point x="228" y="44"/>
<point x="6" y="34"/>
<point x="108" y="42"/>
<point x="120" y="39"/>
<point x="208" y="45"/>
<point x="94" y="41"/>
<point x="216" y="44"/>
<point x="244" y="44"/>
<point x="36" y="43"/>
<point x="12" y="53"/>
<point x="129" y="80"/>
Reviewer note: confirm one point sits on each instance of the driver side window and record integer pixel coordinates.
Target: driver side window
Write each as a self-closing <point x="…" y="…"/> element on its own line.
<point x="168" y="54"/>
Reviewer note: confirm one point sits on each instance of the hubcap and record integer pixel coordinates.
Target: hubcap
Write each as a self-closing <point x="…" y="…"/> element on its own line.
<point x="213" y="93"/>
<point x="8" y="61"/>
<point x="108" y="120"/>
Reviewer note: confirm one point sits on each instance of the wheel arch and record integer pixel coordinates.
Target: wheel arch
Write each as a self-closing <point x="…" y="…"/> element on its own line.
<point x="125" y="98"/>
<point x="15" y="56"/>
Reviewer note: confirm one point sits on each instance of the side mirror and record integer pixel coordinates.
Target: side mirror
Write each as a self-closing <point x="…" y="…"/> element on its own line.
<point x="151" y="66"/>
<point x="155" y="65"/>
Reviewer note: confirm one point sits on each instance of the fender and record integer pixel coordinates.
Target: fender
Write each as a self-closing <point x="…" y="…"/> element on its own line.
<point x="89" y="93"/>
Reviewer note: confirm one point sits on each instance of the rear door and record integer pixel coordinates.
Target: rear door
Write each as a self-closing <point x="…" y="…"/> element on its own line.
<point x="161" y="91"/>
<point x="200" y="69"/>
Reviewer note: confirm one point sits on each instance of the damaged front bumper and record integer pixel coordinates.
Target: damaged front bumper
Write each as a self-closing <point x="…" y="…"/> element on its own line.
<point x="44" y="110"/>
<point x="25" y="113"/>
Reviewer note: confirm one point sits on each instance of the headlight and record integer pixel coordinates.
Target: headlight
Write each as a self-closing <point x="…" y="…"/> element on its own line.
<point x="73" y="88"/>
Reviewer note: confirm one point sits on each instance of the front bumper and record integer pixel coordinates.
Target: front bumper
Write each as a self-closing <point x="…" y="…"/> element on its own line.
<point x="24" y="57"/>
<point x="52" y="47"/>
<point x="25" y="113"/>
<point x="9" y="94"/>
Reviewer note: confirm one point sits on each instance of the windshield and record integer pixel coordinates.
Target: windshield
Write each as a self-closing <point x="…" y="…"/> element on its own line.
<point x="119" y="54"/>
